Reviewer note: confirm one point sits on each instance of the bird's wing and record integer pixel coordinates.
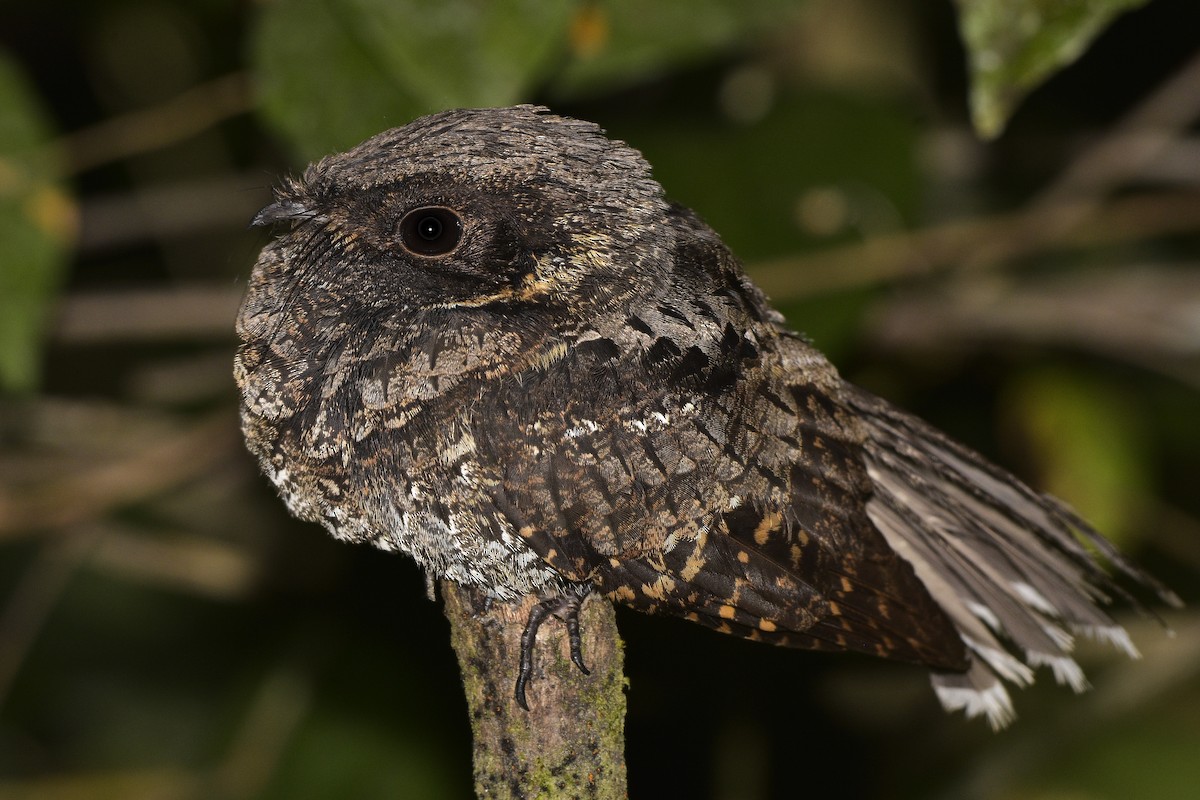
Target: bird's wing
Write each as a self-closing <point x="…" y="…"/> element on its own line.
<point x="743" y="509"/>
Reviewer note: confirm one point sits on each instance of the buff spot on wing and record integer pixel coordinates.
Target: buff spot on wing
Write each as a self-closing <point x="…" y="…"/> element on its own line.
<point x="766" y="526"/>
<point x="660" y="588"/>
<point x="696" y="561"/>
<point x="735" y="596"/>
<point x="624" y="594"/>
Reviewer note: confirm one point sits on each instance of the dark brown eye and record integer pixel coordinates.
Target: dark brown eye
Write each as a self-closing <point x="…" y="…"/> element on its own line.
<point x="430" y="231"/>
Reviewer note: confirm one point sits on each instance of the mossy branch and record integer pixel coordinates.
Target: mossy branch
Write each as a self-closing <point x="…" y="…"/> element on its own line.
<point x="571" y="741"/>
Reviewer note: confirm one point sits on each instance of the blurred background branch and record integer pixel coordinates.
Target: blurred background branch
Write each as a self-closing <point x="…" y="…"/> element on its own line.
<point x="175" y="120"/>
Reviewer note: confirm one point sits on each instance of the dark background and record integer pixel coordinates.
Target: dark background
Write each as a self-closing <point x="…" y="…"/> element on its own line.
<point x="166" y="631"/>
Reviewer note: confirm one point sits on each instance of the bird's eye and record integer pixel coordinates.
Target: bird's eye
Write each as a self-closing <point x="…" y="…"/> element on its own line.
<point x="430" y="231"/>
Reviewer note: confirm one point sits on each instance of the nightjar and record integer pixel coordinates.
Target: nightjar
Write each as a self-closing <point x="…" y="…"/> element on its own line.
<point x="486" y="340"/>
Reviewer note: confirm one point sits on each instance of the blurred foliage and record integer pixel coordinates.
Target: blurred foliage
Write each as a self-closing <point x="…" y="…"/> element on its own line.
<point x="616" y="43"/>
<point x="1014" y="46"/>
<point x="1088" y="441"/>
<point x="37" y="224"/>
<point x="333" y="72"/>
<point x="167" y="631"/>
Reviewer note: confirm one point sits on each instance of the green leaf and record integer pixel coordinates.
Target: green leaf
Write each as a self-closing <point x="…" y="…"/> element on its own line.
<point x="38" y="220"/>
<point x="1014" y="45"/>
<point x="1088" y="443"/>
<point x="623" y="41"/>
<point x="334" y="72"/>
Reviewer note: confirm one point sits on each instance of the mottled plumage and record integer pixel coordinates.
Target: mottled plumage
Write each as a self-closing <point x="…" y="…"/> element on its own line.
<point x="486" y="340"/>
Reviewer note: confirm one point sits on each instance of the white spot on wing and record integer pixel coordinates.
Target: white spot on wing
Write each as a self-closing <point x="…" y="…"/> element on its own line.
<point x="585" y="426"/>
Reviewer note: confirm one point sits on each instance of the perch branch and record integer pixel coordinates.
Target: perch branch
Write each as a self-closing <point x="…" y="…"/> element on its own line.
<point x="570" y="743"/>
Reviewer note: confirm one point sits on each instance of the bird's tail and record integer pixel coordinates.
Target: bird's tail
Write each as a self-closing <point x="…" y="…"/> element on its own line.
<point x="1015" y="570"/>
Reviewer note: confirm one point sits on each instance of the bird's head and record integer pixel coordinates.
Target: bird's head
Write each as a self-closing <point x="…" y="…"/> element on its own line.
<point x="510" y="214"/>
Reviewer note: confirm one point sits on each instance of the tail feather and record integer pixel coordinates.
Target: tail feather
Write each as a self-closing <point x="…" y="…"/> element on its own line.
<point x="974" y="576"/>
<point x="976" y="692"/>
<point x="1006" y="563"/>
